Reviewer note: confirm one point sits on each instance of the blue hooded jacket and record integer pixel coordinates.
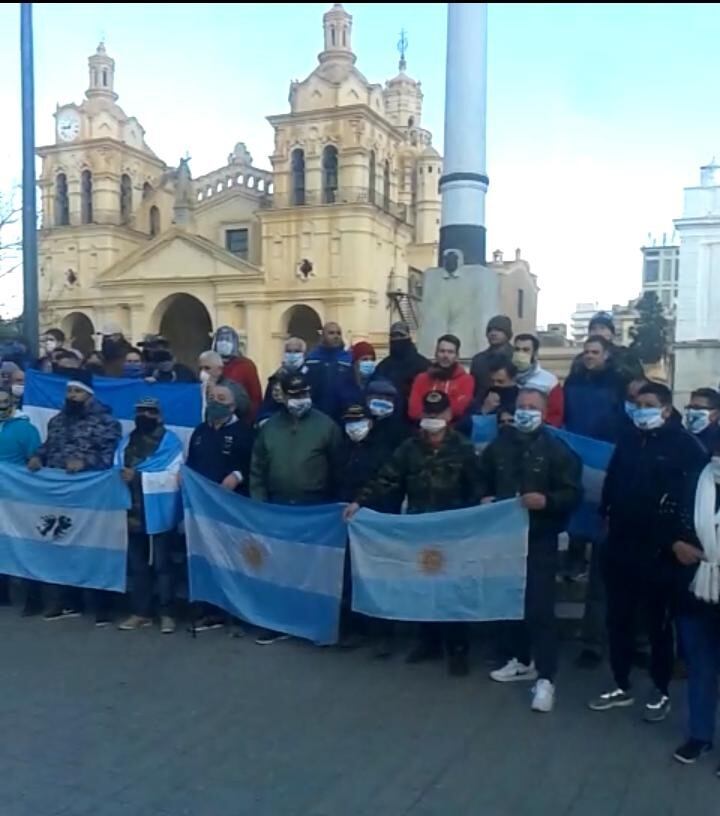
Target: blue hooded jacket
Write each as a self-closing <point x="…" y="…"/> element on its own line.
<point x="330" y="375"/>
<point x="19" y="439"/>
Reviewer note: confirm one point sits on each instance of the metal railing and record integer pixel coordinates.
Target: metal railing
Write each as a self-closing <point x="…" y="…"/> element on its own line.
<point x="342" y="195"/>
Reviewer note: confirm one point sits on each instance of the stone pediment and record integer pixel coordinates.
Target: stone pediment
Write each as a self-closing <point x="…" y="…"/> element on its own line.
<point x="177" y="255"/>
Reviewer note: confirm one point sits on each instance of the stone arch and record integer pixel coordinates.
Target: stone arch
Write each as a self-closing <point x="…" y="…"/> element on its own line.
<point x="186" y="323"/>
<point x="304" y="322"/>
<point x="79" y="331"/>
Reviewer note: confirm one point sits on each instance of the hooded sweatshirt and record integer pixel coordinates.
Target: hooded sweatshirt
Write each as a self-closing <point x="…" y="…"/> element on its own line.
<point x="459" y="387"/>
<point x="19" y="439"/>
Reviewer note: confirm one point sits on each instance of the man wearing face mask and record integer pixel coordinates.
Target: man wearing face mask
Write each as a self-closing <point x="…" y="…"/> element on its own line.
<point x="52" y="341"/>
<point x="210" y="366"/>
<point x="354" y="387"/>
<point x="329" y="371"/>
<point x="82" y="436"/>
<point x="402" y="365"/>
<point x="445" y="375"/>
<point x="649" y="470"/>
<point x="237" y="367"/>
<point x="133" y="366"/>
<point x="293" y="362"/>
<point x="382" y="402"/>
<point x="436" y="470"/>
<point x="526" y="460"/>
<point x="149" y="448"/>
<point x="161" y="364"/>
<point x="701" y="417"/>
<point x="296" y="457"/>
<point x="526" y="348"/>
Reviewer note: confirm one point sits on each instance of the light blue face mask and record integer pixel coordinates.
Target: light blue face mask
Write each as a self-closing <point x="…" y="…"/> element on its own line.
<point x="293" y="360"/>
<point x="366" y="368"/>
<point x="697" y="419"/>
<point x="381" y="407"/>
<point x="648" y="419"/>
<point x="527" y="420"/>
<point x="630" y="408"/>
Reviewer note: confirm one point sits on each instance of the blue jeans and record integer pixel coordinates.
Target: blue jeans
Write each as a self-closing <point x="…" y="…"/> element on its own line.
<point x="149" y="560"/>
<point x="700" y="635"/>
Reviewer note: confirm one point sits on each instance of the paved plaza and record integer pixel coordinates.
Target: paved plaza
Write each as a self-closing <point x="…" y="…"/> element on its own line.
<point x="104" y="723"/>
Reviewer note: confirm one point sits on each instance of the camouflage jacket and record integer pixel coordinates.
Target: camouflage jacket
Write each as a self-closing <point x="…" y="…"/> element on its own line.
<point x="432" y="478"/>
<point x="92" y="437"/>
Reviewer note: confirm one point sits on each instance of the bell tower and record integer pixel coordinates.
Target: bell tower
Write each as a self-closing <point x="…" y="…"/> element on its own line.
<point x="101" y="68"/>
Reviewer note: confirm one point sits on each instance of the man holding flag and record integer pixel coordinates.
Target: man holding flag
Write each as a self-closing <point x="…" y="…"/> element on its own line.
<point x="527" y="461"/>
<point x="436" y="470"/>
<point x="150" y="458"/>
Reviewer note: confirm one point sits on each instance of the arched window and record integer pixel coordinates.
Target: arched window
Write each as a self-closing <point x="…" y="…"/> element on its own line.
<point x="62" y="203"/>
<point x="125" y="198"/>
<point x="298" y="176"/>
<point x="147" y="190"/>
<point x="372" y="179"/>
<point x="86" y="201"/>
<point x="154" y="221"/>
<point x="329" y="174"/>
<point x="344" y="42"/>
<point x="332" y="35"/>
<point x="386" y="186"/>
<point x="104" y="77"/>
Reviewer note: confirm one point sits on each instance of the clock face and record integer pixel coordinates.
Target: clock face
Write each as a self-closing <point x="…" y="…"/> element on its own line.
<point x="68" y="126"/>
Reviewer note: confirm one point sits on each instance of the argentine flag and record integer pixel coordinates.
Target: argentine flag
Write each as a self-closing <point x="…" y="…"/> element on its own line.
<point x="277" y="567"/>
<point x="181" y="403"/>
<point x="460" y="565"/>
<point x="159" y="475"/>
<point x="64" y="529"/>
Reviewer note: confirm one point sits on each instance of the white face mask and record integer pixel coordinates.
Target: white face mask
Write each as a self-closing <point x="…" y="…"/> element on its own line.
<point x="697" y="419"/>
<point x="204" y="377"/>
<point x="433" y="424"/>
<point x="17" y="389"/>
<point x="299" y="406"/>
<point x="648" y="419"/>
<point x="293" y="360"/>
<point x="224" y="348"/>
<point x="357" y="431"/>
<point x="527" y="420"/>
<point x="715" y="465"/>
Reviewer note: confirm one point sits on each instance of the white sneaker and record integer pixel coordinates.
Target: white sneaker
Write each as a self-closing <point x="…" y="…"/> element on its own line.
<point x="513" y="671"/>
<point x="543" y="696"/>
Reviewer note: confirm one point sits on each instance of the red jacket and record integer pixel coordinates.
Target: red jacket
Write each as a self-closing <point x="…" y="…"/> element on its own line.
<point x="555" y="415"/>
<point x="242" y="370"/>
<point x="459" y="388"/>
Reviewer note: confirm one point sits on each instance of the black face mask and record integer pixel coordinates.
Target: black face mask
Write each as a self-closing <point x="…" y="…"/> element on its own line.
<point x="74" y="408"/>
<point x="400" y="346"/>
<point x="441" y="373"/>
<point x="146" y="424"/>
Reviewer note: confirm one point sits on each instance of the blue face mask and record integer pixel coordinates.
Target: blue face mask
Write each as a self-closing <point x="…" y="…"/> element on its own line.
<point x="366" y="368"/>
<point x="381" y="408"/>
<point x="630" y="408"/>
<point x="697" y="419"/>
<point x="527" y="420"/>
<point x="133" y="370"/>
<point x="648" y="419"/>
<point x="293" y="360"/>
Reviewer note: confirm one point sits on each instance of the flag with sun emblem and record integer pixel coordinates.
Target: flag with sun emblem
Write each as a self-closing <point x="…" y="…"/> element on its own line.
<point x="461" y="565"/>
<point x="277" y="567"/>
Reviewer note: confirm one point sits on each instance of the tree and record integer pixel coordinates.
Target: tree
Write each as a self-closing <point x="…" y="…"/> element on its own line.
<point x="651" y="332"/>
<point x="10" y="243"/>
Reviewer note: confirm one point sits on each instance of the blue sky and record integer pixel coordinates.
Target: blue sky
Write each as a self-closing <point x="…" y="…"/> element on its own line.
<point x="598" y="114"/>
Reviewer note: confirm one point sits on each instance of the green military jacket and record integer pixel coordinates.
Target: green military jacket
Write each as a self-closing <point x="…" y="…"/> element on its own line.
<point x="432" y="478"/>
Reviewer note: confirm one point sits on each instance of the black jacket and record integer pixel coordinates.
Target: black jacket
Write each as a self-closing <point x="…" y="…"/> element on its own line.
<point x="646" y="482"/>
<point x="217" y="452"/>
<point x="710" y="438"/>
<point x="516" y="463"/>
<point x="361" y="462"/>
<point x="401" y="367"/>
<point x="480" y="367"/>
<point x="594" y="403"/>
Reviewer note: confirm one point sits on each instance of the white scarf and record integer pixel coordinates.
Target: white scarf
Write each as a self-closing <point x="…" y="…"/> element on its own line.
<point x="706" y="583"/>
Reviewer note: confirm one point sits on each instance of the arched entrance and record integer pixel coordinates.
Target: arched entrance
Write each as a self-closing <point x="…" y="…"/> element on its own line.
<point x="79" y="332"/>
<point x="304" y="322"/>
<point x="186" y="324"/>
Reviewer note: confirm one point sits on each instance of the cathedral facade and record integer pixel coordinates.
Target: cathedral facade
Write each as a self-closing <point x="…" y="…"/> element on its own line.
<point x="340" y="228"/>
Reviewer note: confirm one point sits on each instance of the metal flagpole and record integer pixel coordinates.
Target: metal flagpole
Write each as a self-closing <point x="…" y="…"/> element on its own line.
<point x="29" y="215"/>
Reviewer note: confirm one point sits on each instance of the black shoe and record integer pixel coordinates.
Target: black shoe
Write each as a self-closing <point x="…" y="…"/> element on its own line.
<point x="588" y="659"/>
<point x="691" y="751"/>
<point x="657" y="708"/>
<point x="458" y="665"/>
<point x="101" y="621"/>
<point x="384" y="649"/>
<point x="267" y="637"/>
<point x="61" y="614"/>
<point x="424" y="652"/>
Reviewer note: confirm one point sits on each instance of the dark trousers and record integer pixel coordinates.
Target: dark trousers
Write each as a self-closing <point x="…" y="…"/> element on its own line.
<point x="594" y="633"/>
<point x="149" y="560"/>
<point x="634" y="588"/>
<point x="700" y="636"/>
<point x="535" y="638"/>
<point x="452" y="638"/>
<point x="95" y="601"/>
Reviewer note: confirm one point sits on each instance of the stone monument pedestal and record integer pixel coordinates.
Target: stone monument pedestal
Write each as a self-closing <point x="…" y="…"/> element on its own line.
<point x="459" y="303"/>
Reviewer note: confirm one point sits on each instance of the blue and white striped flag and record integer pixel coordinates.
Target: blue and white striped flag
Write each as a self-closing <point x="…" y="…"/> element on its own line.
<point x="159" y="474"/>
<point x="586" y="522"/>
<point x="484" y="430"/>
<point x="181" y="403"/>
<point x="461" y="565"/>
<point x="64" y="529"/>
<point x="274" y="566"/>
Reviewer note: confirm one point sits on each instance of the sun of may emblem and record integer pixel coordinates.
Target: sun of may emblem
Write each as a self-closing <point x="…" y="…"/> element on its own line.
<point x="431" y="561"/>
<point x="253" y="553"/>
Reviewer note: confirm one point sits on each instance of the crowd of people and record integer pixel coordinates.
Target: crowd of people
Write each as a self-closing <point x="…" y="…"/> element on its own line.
<point x="335" y="424"/>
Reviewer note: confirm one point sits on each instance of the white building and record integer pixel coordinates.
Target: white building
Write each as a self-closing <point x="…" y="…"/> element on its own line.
<point x="660" y="274"/>
<point x="580" y="320"/>
<point x="697" y="347"/>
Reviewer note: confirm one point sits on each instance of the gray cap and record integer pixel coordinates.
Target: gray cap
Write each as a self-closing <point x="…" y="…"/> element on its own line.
<point x="400" y="329"/>
<point x="148" y="402"/>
